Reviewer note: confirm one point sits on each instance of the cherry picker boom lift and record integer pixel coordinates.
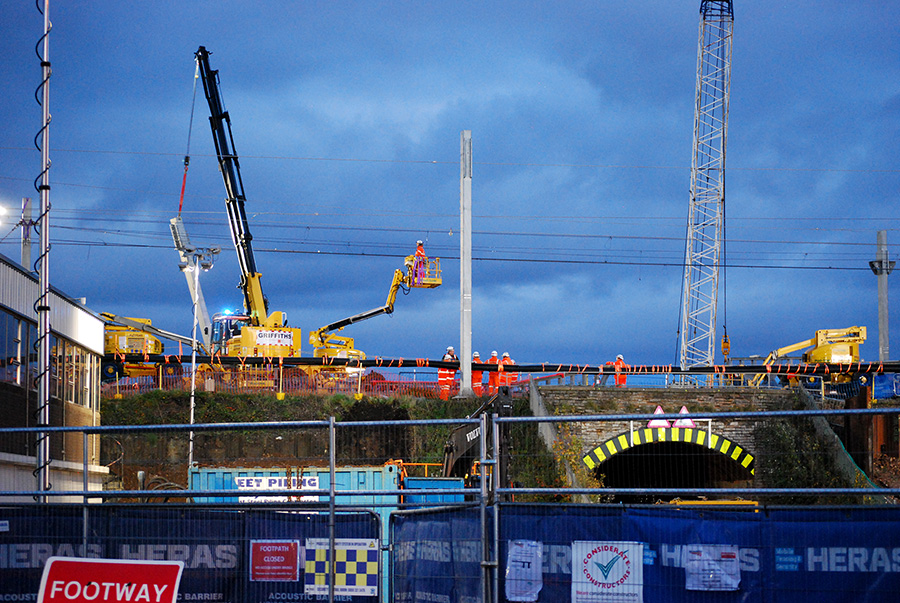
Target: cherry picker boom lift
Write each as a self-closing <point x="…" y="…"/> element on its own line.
<point x="828" y="345"/>
<point x="420" y="273"/>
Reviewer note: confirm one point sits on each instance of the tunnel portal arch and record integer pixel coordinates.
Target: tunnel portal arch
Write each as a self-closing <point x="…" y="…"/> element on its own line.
<point x="651" y="435"/>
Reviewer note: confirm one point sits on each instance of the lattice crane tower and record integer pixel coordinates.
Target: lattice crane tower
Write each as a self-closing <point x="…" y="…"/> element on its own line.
<point x="707" y="208"/>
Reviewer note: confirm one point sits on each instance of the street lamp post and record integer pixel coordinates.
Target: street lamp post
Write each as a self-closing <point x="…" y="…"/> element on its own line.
<point x="197" y="259"/>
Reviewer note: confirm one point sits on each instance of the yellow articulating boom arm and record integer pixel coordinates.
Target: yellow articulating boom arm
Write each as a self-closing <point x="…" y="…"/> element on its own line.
<point x="829" y="345"/>
<point x="144" y="325"/>
<point x="426" y="274"/>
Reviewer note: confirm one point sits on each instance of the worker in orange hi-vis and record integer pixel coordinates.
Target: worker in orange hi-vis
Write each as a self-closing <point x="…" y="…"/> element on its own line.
<point x="446" y="375"/>
<point x="619" y="365"/>
<point x="476" y="375"/>
<point x="493" y="376"/>
<point x="505" y="377"/>
<point x="419" y="264"/>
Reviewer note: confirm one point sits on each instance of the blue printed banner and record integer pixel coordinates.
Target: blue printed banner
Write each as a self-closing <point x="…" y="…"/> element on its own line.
<point x="886" y="386"/>
<point x="591" y="553"/>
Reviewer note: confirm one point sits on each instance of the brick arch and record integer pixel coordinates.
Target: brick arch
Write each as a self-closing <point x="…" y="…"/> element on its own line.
<point x="648" y="435"/>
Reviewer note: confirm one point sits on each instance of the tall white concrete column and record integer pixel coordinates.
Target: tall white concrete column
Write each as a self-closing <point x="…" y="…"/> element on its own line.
<point x="882" y="267"/>
<point x="465" y="263"/>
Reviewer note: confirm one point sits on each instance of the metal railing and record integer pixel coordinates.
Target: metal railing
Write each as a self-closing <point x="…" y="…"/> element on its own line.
<point x="301" y="445"/>
<point x="334" y="467"/>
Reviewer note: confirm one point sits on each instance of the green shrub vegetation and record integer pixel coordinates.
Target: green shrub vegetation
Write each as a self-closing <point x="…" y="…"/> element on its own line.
<point x="166" y="453"/>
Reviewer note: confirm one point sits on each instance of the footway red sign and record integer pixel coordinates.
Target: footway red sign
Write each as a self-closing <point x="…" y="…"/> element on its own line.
<point x="76" y="580"/>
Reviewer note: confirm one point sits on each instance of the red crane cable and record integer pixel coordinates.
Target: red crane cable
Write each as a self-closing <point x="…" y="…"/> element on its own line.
<point x="187" y="153"/>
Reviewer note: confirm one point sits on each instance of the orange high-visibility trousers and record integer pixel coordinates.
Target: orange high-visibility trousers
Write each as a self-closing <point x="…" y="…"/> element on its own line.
<point x="621" y="377"/>
<point x="493" y="376"/>
<point x="476" y="382"/>
<point x="445" y="380"/>
<point x="507" y="378"/>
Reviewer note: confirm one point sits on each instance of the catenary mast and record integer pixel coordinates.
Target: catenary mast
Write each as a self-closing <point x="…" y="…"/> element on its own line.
<point x="707" y="205"/>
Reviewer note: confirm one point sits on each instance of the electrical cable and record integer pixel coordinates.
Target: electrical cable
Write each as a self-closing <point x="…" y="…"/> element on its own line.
<point x="610" y="166"/>
<point x="187" y="153"/>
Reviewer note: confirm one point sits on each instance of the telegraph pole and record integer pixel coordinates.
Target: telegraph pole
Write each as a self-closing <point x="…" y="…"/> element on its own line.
<point x="882" y="267"/>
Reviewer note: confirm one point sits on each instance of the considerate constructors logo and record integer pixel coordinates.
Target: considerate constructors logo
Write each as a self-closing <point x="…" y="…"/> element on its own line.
<point x="606" y="566"/>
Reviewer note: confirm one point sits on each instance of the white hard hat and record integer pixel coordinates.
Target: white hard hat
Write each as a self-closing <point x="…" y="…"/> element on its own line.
<point x="494" y="353"/>
<point x="418" y="242"/>
<point x="475" y="354"/>
<point x="506" y="354"/>
<point x="620" y="357"/>
<point x="449" y="348"/>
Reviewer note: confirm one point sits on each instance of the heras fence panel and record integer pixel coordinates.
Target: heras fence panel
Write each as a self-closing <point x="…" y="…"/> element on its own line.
<point x="586" y="554"/>
<point x="229" y="555"/>
<point x="664" y="554"/>
<point x="436" y="555"/>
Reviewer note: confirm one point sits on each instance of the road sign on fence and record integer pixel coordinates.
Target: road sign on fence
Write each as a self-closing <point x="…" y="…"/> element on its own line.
<point x="77" y="580"/>
<point x="274" y="560"/>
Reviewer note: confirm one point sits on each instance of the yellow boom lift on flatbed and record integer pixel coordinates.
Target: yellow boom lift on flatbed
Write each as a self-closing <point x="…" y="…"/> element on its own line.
<point x="123" y="335"/>
<point x="828" y="345"/>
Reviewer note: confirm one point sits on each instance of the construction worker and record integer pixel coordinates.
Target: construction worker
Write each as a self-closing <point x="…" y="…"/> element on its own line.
<point x="493" y="376"/>
<point x="505" y="377"/>
<point x="619" y="365"/>
<point x="476" y="375"/>
<point x="420" y="261"/>
<point x="447" y="375"/>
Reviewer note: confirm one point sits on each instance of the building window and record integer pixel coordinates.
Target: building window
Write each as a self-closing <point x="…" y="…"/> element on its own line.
<point x="74" y="371"/>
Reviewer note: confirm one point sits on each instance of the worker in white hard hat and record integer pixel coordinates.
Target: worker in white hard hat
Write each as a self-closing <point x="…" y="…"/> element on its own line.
<point x="476" y="375"/>
<point x="507" y="378"/>
<point x="446" y="376"/>
<point x="420" y="261"/>
<point x="493" y="376"/>
<point x="619" y="364"/>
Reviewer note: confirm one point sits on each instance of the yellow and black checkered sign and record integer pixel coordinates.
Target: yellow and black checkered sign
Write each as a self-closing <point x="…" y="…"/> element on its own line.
<point x="355" y="568"/>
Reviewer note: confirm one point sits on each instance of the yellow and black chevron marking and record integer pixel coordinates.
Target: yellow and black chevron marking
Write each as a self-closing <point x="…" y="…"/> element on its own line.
<point x="648" y="435"/>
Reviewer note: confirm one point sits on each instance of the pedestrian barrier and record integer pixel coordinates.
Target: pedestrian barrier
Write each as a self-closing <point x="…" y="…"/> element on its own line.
<point x="511" y="528"/>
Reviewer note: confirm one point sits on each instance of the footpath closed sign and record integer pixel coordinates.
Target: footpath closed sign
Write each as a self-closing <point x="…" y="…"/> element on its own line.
<point x="274" y="561"/>
<point x="77" y="580"/>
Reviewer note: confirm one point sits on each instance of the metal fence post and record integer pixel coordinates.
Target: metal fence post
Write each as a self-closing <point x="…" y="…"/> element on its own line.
<point x="331" y="508"/>
<point x="485" y="552"/>
<point x="84" y="500"/>
<point x="499" y="462"/>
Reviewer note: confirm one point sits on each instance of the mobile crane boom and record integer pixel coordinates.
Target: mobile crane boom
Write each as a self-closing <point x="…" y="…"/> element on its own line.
<point x="255" y="302"/>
